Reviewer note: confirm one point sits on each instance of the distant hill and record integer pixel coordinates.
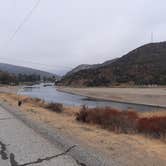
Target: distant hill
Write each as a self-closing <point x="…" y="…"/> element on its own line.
<point x="12" y="69"/>
<point x="86" y="66"/>
<point x="144" y="65"/>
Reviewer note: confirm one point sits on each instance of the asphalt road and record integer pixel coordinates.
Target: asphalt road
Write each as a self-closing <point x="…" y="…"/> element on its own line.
<point x="22" y="146"/>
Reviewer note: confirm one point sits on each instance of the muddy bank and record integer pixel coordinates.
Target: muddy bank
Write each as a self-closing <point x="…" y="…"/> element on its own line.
<point x="145" y="96"/>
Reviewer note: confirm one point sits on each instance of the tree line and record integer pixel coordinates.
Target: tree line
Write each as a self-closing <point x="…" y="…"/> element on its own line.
<point x="6" y="78"/>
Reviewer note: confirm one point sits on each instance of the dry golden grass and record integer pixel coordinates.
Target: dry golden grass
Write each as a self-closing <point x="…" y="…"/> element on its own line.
<point x="153" y="113"/>
<point x="126" y="149"/>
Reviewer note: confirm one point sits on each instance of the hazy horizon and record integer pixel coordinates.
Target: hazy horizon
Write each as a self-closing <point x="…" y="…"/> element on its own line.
<point x="60" y="35"/>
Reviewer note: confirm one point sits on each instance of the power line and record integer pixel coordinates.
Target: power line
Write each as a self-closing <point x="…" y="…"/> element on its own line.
<point x="23" y="22"/>
<point x="27" y="17"/>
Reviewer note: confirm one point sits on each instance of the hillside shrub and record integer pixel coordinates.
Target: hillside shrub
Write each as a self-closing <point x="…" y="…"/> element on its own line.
<point x="109" y="118"/>
<point x="155" y="126"/>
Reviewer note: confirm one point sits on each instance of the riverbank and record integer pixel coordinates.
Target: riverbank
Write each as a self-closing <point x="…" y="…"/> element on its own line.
<point x="123" y="149"/>
<point x="9" y="89"/>
<point x="144" y="96"/>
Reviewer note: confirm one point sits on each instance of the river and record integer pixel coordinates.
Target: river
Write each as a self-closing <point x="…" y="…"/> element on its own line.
<point x="50" y="94"/>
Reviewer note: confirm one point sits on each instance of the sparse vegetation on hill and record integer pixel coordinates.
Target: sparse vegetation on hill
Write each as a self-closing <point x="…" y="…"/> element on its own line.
<point x="142" y="66"/>
<point x="17" y="70"/>
<point x="86" y="66"/>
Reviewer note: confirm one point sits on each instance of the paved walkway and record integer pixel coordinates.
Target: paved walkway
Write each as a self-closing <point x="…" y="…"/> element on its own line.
<point x="22" y="146"/>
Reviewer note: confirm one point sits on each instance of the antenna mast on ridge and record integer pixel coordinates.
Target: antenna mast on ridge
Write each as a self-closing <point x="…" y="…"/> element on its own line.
<point x="152" y="37"/>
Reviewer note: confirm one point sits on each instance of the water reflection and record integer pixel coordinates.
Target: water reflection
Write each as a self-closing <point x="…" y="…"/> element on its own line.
<point x="50" y="94"/>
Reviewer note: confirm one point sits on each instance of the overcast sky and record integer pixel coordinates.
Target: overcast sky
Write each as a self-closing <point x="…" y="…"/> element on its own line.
<point x="61" y="34"/>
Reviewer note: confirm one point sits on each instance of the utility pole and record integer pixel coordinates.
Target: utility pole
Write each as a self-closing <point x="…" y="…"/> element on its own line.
<point x="152" y="37"/>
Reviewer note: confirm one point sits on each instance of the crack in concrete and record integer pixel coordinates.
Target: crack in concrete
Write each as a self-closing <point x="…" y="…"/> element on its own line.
<point x="3" y="152"/>
<point x="13" y="162"/>
<point x="79" y="163"/>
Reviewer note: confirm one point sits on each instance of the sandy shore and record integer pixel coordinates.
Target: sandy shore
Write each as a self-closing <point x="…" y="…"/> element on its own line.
<point x="147" y="96"/>
<point x="124" y="149"/>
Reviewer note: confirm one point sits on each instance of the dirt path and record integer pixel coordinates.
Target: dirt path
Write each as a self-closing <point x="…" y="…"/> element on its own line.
<point x="148" y="96"/>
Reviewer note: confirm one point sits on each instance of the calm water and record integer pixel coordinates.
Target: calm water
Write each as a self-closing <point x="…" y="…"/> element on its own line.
<point x="50" y="94"/>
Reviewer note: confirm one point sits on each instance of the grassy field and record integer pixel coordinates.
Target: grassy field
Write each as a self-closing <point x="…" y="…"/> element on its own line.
<point x="128" y="149"/>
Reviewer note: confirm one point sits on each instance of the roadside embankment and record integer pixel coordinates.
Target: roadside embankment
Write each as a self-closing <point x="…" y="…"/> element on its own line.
<point x="122" y="149"/>
<point x="146" y="96"/>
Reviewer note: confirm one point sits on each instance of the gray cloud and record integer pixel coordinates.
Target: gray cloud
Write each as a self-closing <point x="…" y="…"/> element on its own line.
<point x="63" y="34"/>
